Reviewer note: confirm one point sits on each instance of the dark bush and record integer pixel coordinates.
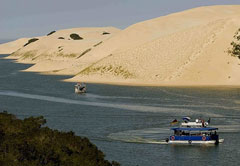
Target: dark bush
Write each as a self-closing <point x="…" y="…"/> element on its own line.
<point x="61" y="38"/>
<point x="105" y="33"/>
<point x="235" y="50"/>
<point x="26" y="142"/>
<point x="30" y="41"/>
<point x="51" y="33"/>
<point x="75" y="36"/>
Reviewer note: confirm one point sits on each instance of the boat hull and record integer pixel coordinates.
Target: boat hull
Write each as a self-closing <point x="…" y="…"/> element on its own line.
<point x="79" y="92"/>
<point x="194" y="142"/>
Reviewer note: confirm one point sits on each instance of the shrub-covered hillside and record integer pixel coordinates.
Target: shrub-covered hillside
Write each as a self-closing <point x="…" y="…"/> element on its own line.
<point x="28" y="143"/>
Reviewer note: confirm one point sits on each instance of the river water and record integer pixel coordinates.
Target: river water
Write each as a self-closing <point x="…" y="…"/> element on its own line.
<point x="126" y="123"/>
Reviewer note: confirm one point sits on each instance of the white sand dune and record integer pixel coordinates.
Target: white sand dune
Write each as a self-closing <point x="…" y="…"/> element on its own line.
<point x="185" y="48"/>
<point x="10" y="47"/>
<point x="59" y="51"/>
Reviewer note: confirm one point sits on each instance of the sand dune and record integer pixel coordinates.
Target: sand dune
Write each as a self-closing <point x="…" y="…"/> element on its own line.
<point x="185" y="48"/>
<point x="10" y="47"/>
<point x="59" y="51"/>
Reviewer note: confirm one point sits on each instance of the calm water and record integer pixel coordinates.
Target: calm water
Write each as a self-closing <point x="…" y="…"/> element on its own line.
<point x="125" y="121"/>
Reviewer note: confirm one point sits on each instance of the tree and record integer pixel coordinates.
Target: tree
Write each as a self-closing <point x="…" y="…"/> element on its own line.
<point x="235" y="50"/>
<point x="27" y="142"/>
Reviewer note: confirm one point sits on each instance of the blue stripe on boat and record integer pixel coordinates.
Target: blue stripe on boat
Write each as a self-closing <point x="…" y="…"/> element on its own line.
<point x="192" y="138"/>
<point x="194" y="129"/>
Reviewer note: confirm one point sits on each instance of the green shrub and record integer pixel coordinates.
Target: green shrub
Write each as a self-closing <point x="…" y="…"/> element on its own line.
<point x="75" y="36"/>
<point x="105" y="33"/>
<point x="61" y="38"/>
<point x="235" y="50"/>
<point x="30" y="41"/>
<point x="51" y="33"/>
<point x="26" y="142"/>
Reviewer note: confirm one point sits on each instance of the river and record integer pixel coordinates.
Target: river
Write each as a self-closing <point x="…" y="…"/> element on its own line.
<point x="127" y="123"/>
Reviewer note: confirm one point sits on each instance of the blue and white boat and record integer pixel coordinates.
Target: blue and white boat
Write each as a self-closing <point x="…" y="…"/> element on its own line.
<point x="196" y="132"/>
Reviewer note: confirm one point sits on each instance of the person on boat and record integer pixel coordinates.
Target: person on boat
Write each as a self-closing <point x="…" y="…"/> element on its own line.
<point x="203" y="123"/>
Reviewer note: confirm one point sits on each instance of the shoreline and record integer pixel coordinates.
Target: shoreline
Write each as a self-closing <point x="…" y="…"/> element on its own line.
<point x="119" y="83"/>
<point x="157" y="85"/>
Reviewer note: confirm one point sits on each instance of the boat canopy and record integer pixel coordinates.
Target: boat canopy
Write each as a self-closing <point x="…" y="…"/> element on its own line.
<point x="194" y="129"/>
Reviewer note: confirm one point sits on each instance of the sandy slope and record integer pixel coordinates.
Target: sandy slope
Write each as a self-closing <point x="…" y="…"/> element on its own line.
<point x="10" y="47"/>
<point x="58" y="52"/>
<point x="185" y="48"/>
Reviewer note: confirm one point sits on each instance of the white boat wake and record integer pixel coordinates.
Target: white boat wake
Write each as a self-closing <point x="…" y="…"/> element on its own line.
<point x="141" y="108"/>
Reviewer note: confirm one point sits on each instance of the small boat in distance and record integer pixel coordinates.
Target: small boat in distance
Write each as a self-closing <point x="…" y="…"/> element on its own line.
<point x="196" y="132"/>
<point x="80" y="88"/>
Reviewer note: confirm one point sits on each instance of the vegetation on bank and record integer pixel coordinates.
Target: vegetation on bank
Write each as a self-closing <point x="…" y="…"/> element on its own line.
<point x="30" y="41"/>
<point x="29" y="55"/>
<point x="75" y="36"/>
<point x="26" y="55"/>
<point x="119" y="71"/>
<point x="27" y="142"/>
<point x="66" y="55"/>
<point x="235" y="50"/>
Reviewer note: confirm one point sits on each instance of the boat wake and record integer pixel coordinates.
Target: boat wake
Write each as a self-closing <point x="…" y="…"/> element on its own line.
<point x="187" y="104"/>
<point x="139" y="107"/>
<point x="146" y="136"/>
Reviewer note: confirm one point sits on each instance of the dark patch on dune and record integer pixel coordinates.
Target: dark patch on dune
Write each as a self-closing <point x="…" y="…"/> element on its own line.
<point x="51" y="33"/>
<point x="75" y="36"/>
<point x="30" y="41"/>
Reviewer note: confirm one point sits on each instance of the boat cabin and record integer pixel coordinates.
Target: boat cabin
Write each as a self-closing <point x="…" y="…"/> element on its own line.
<point x="194" y="134"/>
<point x="197" y="123"/>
